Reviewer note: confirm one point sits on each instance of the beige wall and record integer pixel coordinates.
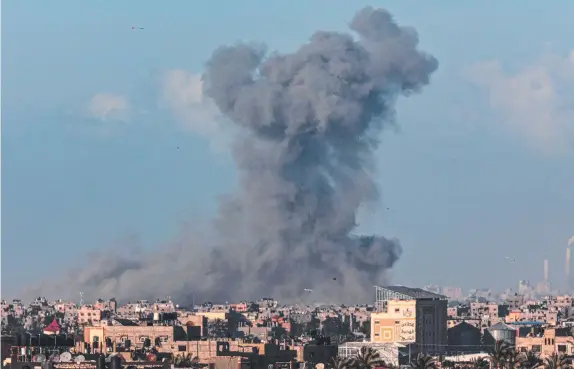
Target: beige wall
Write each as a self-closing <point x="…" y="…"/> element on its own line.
<point x="136" y="334"/>
<point x="213" y="315"/>
<point x="547" y="345"/>
<point x="194" y="320"/>
<point x="420" y="321"/>
<point x="88" y="314"/>
<point x="398" y="324"/>
<point x="204" y="350"/>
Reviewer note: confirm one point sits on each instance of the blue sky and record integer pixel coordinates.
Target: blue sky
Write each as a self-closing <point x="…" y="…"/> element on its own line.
<point x="482" y="166"/>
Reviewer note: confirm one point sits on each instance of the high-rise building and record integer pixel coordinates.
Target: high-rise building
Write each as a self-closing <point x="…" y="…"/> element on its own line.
<point x="452" y="293"/>
<point x="410" y="315"/>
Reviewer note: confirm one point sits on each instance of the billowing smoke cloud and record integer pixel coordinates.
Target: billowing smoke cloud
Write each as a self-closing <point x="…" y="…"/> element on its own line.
<point x="183" y="94"/>
<point x="309" y="125"/>
<point x="107" y="106"/>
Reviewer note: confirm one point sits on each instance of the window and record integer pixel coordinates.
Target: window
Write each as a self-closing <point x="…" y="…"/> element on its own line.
<point x="536" y="348"/>
<point x="143" y="338"/>
<point x="561" y="348"/>
<point x="163" y="338"/>
<point x="181" y="348"/>
<point x="397" y="310"/>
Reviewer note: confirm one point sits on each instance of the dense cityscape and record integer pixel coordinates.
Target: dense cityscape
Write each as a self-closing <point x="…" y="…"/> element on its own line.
<point x="301" y="219"/>
<point x="420" y="328"/>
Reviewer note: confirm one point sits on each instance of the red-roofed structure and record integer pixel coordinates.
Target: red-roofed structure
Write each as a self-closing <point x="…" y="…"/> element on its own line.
<point x="53" y="328"/>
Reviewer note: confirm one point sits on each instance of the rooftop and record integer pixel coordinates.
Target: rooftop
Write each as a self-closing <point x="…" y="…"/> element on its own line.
<point x="405" y="293"/>
<point x="501" y="326"/>
<point x="527" y="323"/>
<point x="126" y="322"/>
<point x="53" y="327"/>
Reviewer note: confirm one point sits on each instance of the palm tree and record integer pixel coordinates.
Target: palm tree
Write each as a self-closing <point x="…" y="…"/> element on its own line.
<point x="498" y="354"/>
<point x="530" y="360"/>
<point x="479" y="363"/>
<point x="195" y="362"/>
<point x="556" y="361"/>
<point x="367" y="358"/>
<point x="512" y="360"/>
<point x="423" y="362"/>
<point x="185" y="361"/>
<point x="339" y="363"/>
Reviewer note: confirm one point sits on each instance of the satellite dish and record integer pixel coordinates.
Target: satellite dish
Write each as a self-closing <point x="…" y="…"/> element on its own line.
<point x="40" y="358"/>
<point x="79" y="359"/>
<point x="66" y="357"/>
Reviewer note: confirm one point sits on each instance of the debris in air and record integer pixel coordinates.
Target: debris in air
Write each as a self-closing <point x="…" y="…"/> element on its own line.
<point x="308" y="290"/>
<point x="136" y="28"/>
<point x="510" y="259"/>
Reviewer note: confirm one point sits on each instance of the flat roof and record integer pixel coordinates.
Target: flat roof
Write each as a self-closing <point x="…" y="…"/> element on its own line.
<point x="402" y="292"/>
<point x="526" y="323"/>
<point x="371" y="344"/>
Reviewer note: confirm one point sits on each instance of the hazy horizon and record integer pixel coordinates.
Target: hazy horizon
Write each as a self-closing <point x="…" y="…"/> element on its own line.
<point x="109" y="143"/>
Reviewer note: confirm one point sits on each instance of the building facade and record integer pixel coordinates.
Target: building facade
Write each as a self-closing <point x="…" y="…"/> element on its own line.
<point x="410" y="315"/>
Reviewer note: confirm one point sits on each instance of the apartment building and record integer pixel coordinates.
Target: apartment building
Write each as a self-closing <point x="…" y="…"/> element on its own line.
<point x="545" y="341"/>
<point x="410" y="315"/>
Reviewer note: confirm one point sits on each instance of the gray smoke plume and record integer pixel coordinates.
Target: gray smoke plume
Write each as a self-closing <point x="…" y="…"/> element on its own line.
<point x="309" y="123"/>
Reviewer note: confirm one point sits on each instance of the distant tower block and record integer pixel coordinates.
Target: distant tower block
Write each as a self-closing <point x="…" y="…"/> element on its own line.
<point x="546" y="271"/>
<point x="568" y="255"/>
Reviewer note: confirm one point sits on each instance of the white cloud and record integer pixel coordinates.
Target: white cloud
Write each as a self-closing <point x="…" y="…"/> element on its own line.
<point x="109" y="107"/>
<point x="537" y="102"/>
<point x="182" y="93"/>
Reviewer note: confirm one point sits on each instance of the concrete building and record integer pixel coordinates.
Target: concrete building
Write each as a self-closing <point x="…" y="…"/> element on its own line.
<point x="545" y="341"/>
<point x="537" y="315"/>
<point x="410" y="315"/>
<point x="131" y="333"/>
<point x="191" y="319"/>
<point x="453" y="293"/>
<point x="464" y="337"/>
<point x="515" y="301"/>
<point x="88" y="314"/>
<point x="390" y="353"/>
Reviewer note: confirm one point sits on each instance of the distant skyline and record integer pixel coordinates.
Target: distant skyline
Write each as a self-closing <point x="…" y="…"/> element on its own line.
<point x="108" y="141"/>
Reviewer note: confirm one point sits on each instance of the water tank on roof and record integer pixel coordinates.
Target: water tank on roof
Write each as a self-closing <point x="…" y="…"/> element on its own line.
<point x="101" y="362"/>
<point x="115" y="362"/>
<point x="504" y="332"/>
